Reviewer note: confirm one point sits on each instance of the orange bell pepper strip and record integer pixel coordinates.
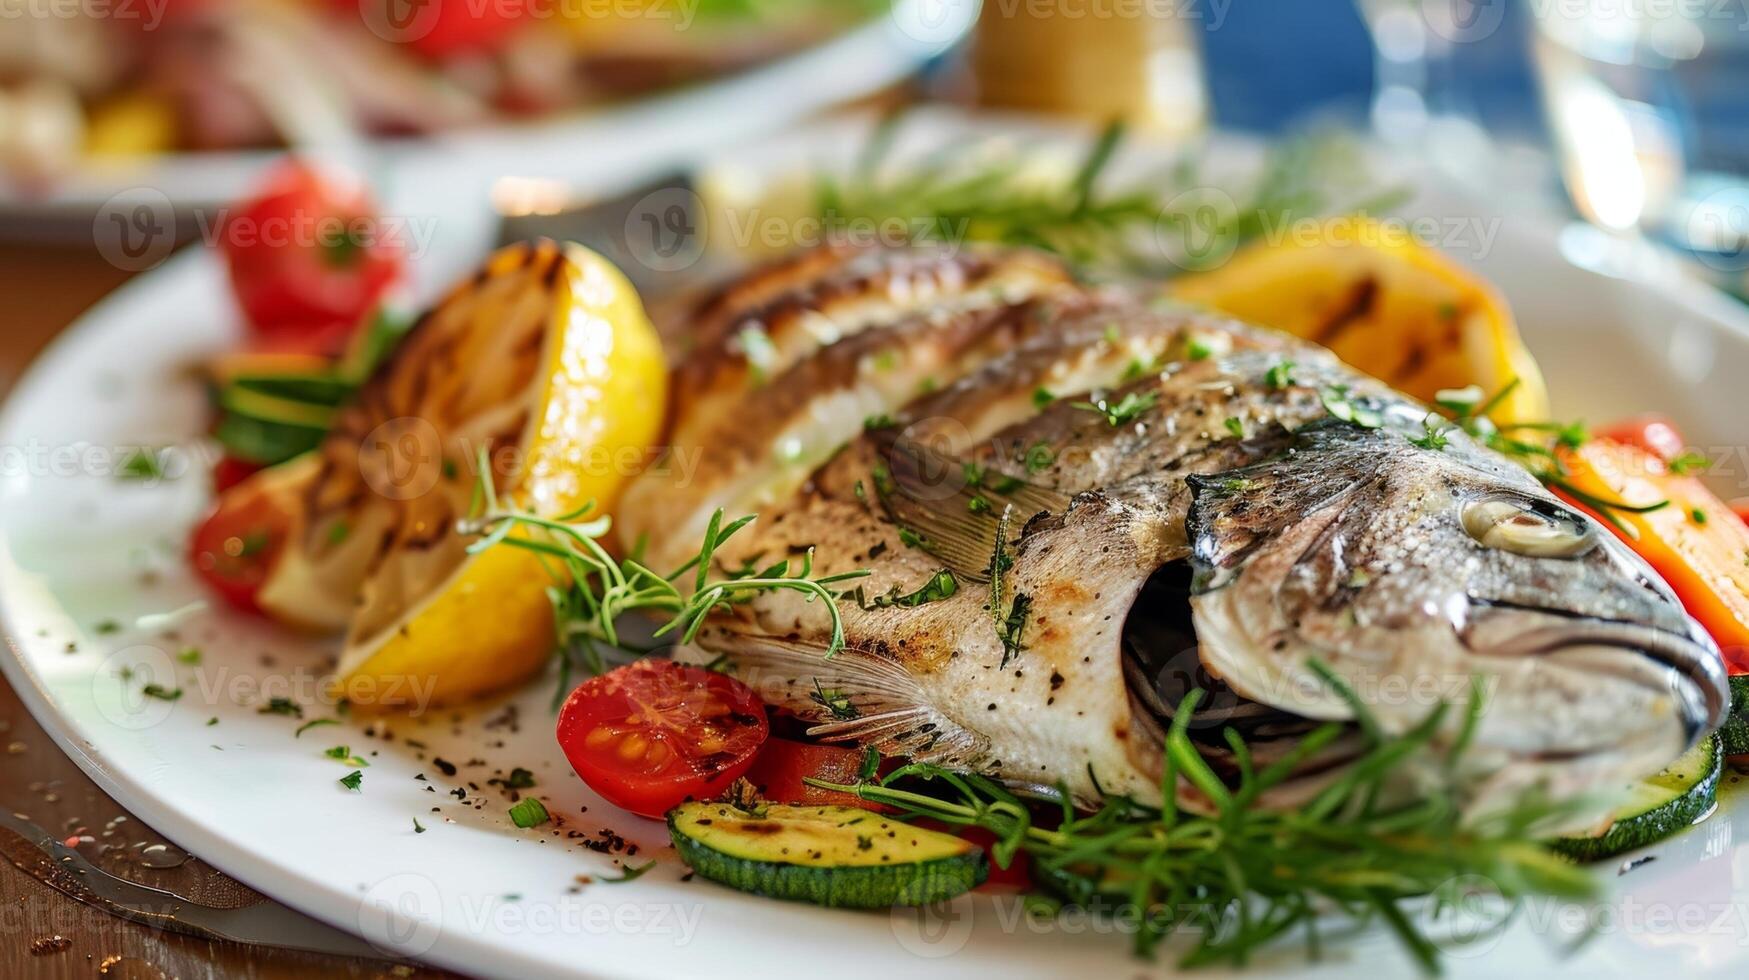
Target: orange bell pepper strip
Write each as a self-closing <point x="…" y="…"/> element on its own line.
<point x="1696" y="541"/>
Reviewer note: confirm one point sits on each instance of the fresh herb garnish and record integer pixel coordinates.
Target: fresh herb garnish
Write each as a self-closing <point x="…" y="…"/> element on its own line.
<point x="106" y="627"/>
<point x="1041" y="398"/>
<point x="418" y="828"/>
<point x="1235" y="426"/>
<point x="529" y="812"/>
<point x="1038" y="457"/>
<point x="1280" y="375"/>
<point x="592" y="588"/>
<point x="1689" y="462"/>
<point x="1244" y="876"/>
<point x="835" y="701"/>
<point x="189" y="655"/>
<point x="281" y="706"/>
<point x="161" y="692"/>
<point x="940" y="586"/>
<point x="629" y="873"/>
<point x="352" y="780"/>
<point x="1126" y="409"/>
<point x="313" y="723"/>
<point x="880" y="421"/>
<point x="1014" y="626"/>
<point x="1338" y="402"/>
<point x="1198" y="349"/>
<point x="519" y="778"/>
<point x="1433" y="435"/>
<point x="1697" y="515"/>
<point x="344" y="754"/>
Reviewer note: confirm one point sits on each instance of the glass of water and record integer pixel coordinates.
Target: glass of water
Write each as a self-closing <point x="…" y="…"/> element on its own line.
<point x="1648" y="101"/>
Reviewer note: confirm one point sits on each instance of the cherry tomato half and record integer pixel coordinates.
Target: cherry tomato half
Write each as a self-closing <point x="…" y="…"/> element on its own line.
<point x="782" y="765"/>
<point x="308" y="259"/>
<point x="653" y="734"/>
<point x="234" y="549"/>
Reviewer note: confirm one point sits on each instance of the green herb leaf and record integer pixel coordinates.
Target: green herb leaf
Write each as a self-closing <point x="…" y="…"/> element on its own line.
<point x="1125" y="410"/>
<point x="629" y="873"/>
<point x="161" y="692"/>
<point x="352" y="780"/>
<point x="529" y="812"/>
<point x="313" y="723"/>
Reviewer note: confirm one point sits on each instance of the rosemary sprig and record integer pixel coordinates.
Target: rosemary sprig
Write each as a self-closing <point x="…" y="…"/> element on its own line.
<point x="1538" y="454"/>
<point x="1241" y="877"/>
<point x="592" y="589"/>
<point x="984" y="191"/>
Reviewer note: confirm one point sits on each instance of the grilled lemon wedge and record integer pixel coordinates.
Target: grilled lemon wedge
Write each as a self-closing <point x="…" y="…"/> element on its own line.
<point x="1385" y="304"/>
<point x="544" y="363"/>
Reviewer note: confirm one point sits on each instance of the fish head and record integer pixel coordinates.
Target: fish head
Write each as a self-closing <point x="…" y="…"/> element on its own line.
<point x="1418" y="576"/>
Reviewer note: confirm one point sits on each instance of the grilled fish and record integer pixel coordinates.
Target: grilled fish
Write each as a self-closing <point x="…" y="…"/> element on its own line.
<point x="1077" y="503"/>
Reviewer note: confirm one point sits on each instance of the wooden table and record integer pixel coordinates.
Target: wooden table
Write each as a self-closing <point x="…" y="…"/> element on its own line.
<point x="47" y="933"/>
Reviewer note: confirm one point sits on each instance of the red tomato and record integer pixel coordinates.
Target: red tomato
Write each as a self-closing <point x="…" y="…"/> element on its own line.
<point x="439" y="29"/>
<point x="1741" y="506"/>
<point x="230" y="471"/>
<point x="309" y="259"/>
<point x="1653" y="433"/>
<point x="653" y="734"/>
<point x="235" y="548"/>
<point x="782" y="765"/>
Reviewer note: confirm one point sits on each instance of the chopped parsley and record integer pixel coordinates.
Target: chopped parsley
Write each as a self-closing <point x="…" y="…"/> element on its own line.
<point x="106" y="627"/>
<point x="880" y="421"/>
<point x="1038" y="457"/>
<point x="1198" y="349"/>
<point x="1042" y="398"/>
<point x="1690" y="462"/>
<point x="940" y="586"/>
<point x="835" y="701"/>
<point x="418" y="828"/>
<point x="1236" y="426"/>
<point x="352" y="780"/>
<point x="911" y="539"/>
<point x="1697" y="515"/>
<point x="519" y="778"/>
<point x="189" y="655"/>
<point x="629" y="873"/>
<point x="1014" y="626"/>
<point x="1433" y="435"/>
<point x="339" y="531"/>
<point x="161" y="692"/>
<point x="313" y="723"/>
<point x="1125" y="410"/>
<point x="1338" y="403"/>
<point x="1280" y="376"/>
<point x="344" y="754"/>
<point x="528" y="812"/>
<point x="281" y="706"/>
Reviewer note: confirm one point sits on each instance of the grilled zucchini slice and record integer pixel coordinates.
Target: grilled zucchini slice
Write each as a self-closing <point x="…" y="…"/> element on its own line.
<point x="837" y="856"/>
<point x="1658" y="806"/>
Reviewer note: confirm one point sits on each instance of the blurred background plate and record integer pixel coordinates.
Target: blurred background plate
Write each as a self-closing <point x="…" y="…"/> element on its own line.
<point x="587" y="142"/>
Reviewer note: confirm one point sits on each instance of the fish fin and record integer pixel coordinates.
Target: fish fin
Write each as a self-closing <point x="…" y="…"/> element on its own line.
<point x="855" y="696"/>
<point x="1234" y="512"/>
<point x="955" y="507"/>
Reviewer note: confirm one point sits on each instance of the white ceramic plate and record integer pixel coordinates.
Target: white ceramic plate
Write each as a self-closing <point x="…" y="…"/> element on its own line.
<point x="648" y="130"/>
<point x="78" y="548"/>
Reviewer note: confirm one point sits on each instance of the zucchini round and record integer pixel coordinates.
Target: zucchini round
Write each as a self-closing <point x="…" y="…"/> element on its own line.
<point x="837" y="856"/>
<point x="1658" y="806"/>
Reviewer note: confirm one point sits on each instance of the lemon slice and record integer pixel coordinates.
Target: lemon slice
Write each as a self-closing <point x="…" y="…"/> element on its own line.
<point x="1385" y="304"/>
<point x="545" y="362"/>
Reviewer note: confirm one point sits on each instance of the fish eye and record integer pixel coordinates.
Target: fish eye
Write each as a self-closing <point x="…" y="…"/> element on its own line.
<point x="1534" y="528"/>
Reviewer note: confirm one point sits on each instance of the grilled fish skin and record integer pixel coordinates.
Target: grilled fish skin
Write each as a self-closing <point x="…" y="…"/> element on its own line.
<point x="1011" y="518"/>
